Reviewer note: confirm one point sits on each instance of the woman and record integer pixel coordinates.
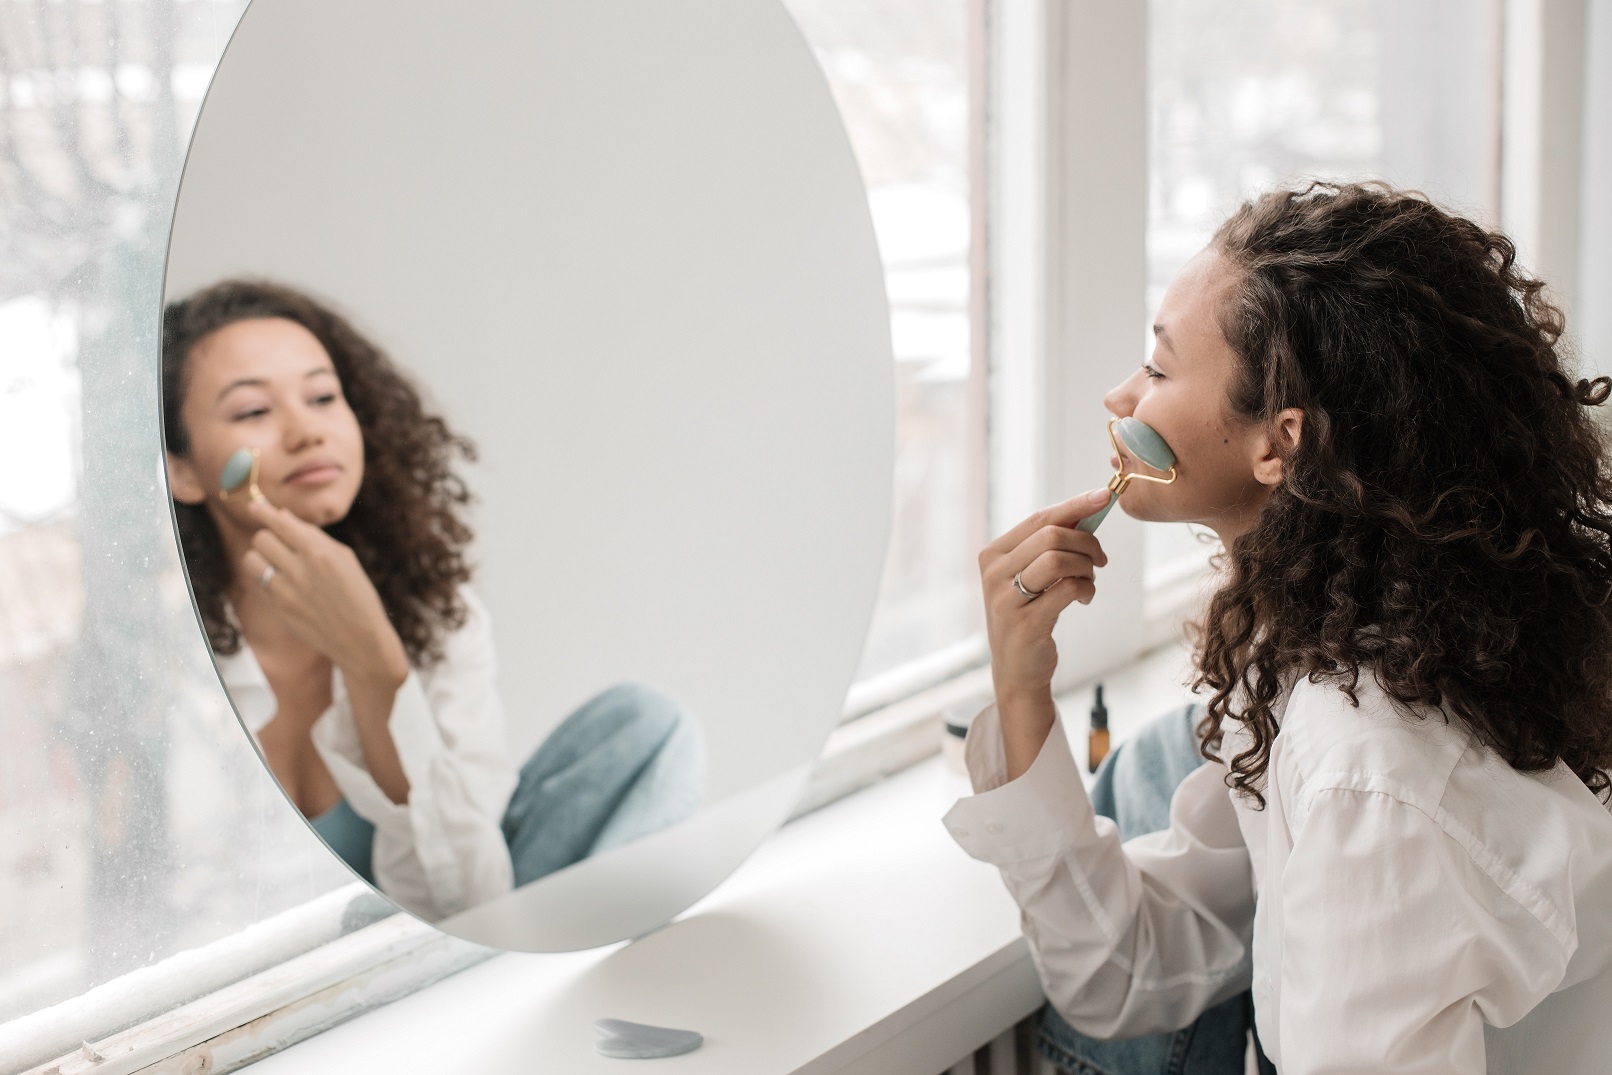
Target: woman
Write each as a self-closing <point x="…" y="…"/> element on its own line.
<point x="339" y="614"/>
<point x="1408" y="661"/>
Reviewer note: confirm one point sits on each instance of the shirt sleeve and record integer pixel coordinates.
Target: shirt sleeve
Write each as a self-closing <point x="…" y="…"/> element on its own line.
<point x="1131" y="938"/>
<point x="1397" y="947"/>
<point x="442" y="850"/>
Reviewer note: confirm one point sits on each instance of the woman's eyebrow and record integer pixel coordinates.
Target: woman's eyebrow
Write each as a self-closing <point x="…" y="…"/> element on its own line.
<point x="1162" y="334"/>
<point x="258" y="382"/>
<point x="242" y="382"/>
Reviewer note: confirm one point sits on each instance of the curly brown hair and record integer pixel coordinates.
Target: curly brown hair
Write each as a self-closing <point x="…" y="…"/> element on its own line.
<point x="404" y="525"/>
<point x="1445" y="520"/>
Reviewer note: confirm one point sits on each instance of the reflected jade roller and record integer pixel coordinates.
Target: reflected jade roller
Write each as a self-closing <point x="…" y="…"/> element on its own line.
<point x="1137" y="439"/>
<point x="239" y="478"/>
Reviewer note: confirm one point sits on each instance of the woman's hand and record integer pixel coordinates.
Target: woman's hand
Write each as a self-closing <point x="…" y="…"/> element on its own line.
<point x="1049" y="557"/>
<point x="320" y="590"/>
<point x="322" y="593"/>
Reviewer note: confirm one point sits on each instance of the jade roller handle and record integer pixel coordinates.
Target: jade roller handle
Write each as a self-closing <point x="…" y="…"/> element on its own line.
<point x="1091" y="522"/>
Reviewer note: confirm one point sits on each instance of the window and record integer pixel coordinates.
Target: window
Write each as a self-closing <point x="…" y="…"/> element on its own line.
<point x="121" y="755"/>
<point x="1124" y="129"/>
<point x="905" y="74"/>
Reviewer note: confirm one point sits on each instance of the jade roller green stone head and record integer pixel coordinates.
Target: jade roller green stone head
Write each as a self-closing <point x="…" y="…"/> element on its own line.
<point x="1133" y="436"/>
<point x="239" y="477"/>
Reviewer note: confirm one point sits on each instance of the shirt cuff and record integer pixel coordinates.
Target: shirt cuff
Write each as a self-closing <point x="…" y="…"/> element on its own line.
<point x="1043" y="812"/>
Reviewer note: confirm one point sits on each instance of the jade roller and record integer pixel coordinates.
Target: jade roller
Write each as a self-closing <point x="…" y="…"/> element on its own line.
<point x="1139" y="440"/>
<point x="239" y="478"/>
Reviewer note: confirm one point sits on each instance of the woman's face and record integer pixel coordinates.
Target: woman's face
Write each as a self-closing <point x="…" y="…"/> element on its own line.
<point x="1225" y="467"/>
<point x="267" y="383"/>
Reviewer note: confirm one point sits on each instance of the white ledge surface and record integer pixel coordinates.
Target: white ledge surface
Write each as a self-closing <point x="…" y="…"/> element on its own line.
<point x="858" y="939"/>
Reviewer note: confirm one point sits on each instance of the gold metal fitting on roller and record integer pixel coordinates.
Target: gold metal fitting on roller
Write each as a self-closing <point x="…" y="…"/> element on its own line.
<point x="1122" y="478"/>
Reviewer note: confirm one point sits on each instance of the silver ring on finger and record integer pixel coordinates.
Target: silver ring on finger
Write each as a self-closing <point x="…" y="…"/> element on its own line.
<point x="266" y="577"/>
<point x="1031" y="595"/>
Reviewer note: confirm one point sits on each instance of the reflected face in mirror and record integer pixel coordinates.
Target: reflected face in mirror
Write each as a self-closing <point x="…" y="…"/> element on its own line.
<point x="347" y="635"/>
<point x="268" y="384"/>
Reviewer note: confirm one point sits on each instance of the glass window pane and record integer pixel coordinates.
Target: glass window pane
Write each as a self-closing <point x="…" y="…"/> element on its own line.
<point x="135" y="819"/>
<point x="1249" y="94"/>
<point x="899" y="70"/>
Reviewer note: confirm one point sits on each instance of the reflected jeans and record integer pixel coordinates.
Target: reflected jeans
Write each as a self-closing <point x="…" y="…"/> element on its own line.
<point x="630" y="761"/>
<point x="1134" y="786"/>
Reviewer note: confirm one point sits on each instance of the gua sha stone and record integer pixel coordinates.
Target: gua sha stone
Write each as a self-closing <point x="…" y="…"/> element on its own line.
<point x="639" y="1041"/>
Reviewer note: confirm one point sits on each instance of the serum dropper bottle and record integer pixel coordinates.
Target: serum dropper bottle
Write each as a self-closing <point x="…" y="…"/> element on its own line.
<point x="1097" y="738"/>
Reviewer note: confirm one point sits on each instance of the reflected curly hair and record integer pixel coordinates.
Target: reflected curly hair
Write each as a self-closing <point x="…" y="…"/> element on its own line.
<point x="404" y="525"/>
<point x="1445" y="521"/>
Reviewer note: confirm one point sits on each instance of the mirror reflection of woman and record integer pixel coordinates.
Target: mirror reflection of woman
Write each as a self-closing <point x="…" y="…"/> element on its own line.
<point x="339" y="612"/>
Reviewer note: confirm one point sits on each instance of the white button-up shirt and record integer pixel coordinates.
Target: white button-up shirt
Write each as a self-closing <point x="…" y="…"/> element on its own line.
<point x="1402" y="887"/>
<point x="443" y="850"/>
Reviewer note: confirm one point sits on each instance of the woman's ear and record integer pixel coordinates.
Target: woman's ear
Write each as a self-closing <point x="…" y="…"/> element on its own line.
<point x="1282" y="441"/>
<point x="182" y="480"/>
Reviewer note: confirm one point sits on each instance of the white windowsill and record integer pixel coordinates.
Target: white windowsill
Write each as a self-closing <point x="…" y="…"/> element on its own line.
<point x="859" y="938"/>
<point x="831" y="945"/>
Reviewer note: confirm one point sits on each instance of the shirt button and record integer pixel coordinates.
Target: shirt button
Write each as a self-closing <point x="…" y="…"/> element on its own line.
<point x="994" y="827"/>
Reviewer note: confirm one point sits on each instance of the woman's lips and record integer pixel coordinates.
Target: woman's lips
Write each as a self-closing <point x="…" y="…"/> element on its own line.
<point x="313" y="474"/>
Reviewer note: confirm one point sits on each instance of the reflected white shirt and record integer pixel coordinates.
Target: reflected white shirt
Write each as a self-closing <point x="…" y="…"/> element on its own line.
<point x="1402" y="887"/>
<point x="443" y="850"/>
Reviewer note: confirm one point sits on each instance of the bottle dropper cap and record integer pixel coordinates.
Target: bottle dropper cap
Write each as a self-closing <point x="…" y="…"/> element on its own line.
<point x="1099" y="712"/>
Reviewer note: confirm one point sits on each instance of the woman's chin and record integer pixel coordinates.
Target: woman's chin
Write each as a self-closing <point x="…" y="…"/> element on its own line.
<point x="1140" y="509"/>
<point x="323" y="508"/>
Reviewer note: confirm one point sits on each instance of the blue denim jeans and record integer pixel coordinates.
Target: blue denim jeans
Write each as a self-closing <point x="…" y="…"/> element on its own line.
<point x="628" y="762"/>
<point x="1134" y="786"/>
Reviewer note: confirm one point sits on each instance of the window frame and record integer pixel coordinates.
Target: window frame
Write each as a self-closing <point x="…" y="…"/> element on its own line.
<point x="1069" y="86"/>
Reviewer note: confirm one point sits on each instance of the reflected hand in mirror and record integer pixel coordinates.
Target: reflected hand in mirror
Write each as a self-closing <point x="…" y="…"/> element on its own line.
<point x="339" y="609"/>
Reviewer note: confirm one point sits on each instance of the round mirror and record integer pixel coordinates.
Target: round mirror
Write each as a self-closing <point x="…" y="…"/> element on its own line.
<point x="542" y="349"/>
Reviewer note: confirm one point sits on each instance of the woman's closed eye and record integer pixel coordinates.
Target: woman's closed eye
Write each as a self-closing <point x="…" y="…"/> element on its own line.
<point x="324" y="399"/>
<point x="1152" y="371"/>
<point x="252" y="412"/>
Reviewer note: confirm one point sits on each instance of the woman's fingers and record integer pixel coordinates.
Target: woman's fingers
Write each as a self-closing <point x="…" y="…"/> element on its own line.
<point x="1070" y="548"/>
<point x="292" y="531"/>
<point x="263" y="570"/>
<point x="273" y="550"/>
<point x="1010" y="605"/>
<point x="1066" y="514"/>
<point x="1055" y="564"/>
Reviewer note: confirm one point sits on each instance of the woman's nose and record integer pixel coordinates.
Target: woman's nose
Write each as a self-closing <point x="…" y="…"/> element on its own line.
<point x="1121" y="399"/>
<point x="301" y="428"/>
